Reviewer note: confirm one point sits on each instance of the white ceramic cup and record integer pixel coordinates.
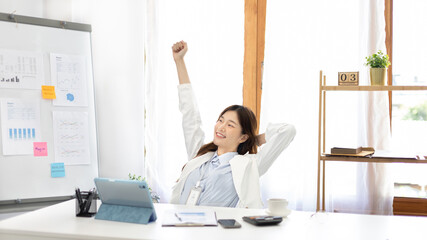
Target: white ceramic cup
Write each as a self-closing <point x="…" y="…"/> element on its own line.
<point x="277" y="206"/>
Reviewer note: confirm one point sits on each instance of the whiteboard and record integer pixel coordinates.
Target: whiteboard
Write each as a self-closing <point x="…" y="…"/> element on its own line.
<point x="28" y="176"/>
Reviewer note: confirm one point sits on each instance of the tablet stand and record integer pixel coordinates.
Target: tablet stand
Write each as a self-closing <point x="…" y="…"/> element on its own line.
<point x="122" y="213"/>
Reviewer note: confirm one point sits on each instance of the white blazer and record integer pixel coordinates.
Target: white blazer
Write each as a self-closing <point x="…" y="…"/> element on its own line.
<point x="246" y="169"/>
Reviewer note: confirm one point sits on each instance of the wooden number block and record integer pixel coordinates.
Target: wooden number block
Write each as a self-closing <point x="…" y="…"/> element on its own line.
<point x="348" y="78"/>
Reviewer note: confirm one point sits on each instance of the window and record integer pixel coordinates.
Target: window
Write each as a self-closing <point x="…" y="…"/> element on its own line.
<point x="409" y="109"/>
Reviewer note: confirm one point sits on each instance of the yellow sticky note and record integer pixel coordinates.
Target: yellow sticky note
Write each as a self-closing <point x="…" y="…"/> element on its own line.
<point x="48" y="92"/>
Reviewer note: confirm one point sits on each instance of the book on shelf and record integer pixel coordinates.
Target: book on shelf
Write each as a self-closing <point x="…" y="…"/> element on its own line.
<point x="352" y="152"/>
<point x="341" y="150"/>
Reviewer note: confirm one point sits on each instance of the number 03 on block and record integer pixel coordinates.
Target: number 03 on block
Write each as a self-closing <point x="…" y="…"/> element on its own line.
<point x="348" y="78"/>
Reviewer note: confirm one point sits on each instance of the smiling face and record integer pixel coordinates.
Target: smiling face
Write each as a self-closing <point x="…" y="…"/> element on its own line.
<point x="228" y="133"/>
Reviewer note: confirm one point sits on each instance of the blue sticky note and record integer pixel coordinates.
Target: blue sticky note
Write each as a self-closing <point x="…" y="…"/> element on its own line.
<point x="57" y="170"/>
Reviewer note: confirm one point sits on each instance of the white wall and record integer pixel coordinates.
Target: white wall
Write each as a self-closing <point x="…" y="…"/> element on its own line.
<point x="118" y="57"/>
<point x="118" y="62"/>
<point x="22" y="7"/>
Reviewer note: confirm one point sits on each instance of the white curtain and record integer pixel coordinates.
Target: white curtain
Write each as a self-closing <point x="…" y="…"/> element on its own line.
<point x="302" y="38"/>
<point x="214" y="33"/>
<point x="118" y="56"/>
<point x="376" y="192"/>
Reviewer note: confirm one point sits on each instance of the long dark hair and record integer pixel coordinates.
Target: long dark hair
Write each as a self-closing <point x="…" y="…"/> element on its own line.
<point x="247" y="121"/>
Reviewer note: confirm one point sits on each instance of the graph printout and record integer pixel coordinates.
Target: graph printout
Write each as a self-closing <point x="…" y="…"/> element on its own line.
<point x="69" y="76"/>
<point x="20" y="69"/>
<point x="71" y="137"/>
<point x="20" y="125"/>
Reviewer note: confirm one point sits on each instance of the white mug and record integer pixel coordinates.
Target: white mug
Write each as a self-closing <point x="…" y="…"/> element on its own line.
<point x="277" y="206"/>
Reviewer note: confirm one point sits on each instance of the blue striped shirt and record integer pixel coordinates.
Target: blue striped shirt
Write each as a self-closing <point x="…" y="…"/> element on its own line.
<point x="216" y="181"/>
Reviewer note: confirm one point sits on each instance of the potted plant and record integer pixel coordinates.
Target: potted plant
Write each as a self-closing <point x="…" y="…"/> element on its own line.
<point x="154" y="196"/>
<point x="378" y="63"/>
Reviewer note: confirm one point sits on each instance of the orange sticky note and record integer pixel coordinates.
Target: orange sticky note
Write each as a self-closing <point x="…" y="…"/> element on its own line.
<point x="48" y="92"/>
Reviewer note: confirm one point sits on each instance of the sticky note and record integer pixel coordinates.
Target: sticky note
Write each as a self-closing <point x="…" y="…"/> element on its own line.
<point x="40" y="149"/>
<point x="57" y="170"/>
<point x="48" y="92"/>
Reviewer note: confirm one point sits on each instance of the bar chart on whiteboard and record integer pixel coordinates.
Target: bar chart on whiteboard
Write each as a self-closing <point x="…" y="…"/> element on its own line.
<point x="21" y="69"/>
<point x="20" y="123"/>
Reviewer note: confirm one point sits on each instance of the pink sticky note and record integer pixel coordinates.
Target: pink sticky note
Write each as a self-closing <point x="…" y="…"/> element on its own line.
<point x="40" y="149"/>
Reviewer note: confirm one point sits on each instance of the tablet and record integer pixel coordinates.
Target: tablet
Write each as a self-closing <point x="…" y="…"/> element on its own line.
<point x="130" y="193"/>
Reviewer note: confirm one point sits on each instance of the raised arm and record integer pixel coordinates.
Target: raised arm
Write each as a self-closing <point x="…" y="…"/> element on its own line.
<point x="191" y="121"/>
<point x="179" y="50"/>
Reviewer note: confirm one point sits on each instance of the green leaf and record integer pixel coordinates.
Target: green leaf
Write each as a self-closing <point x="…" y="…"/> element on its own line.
<point x="378" y="60"/>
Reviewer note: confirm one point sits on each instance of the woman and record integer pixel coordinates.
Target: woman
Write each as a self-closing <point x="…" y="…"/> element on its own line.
<point x="226" y="171"/>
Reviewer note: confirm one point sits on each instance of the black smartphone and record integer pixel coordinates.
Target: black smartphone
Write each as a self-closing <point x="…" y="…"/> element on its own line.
<point x="229" y="223"/>
<point x="262" y="220"/>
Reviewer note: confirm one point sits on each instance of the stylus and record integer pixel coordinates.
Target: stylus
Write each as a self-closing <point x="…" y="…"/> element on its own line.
<point x="88" y="202"/>
<point x="79" y="198"/>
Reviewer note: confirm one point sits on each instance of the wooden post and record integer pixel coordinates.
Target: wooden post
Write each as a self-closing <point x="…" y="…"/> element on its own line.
<point x="324" y="144"/>
<point x="388" y="12"/>
<point x="319" y="142"/>
<point x="255" y="12"/>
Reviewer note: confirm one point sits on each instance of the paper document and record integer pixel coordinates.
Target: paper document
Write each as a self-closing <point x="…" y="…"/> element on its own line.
<point x="22" y="70"/>
<point x="71" y="137"/>
<point x="20" y="125"/>
<point x="183" y="218"/>
<point x="69" y="76"/>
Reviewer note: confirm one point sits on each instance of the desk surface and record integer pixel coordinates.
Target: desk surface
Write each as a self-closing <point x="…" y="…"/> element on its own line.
<point x="58" y="222"/>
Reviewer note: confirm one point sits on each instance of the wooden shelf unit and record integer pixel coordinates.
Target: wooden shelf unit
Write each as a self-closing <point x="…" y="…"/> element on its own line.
<point x="373" y="159"/>
<point x="373" y="88"/>
<point x="322" y="158"/>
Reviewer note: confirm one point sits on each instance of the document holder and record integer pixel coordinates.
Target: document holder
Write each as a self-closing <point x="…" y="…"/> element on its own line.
<point x="125" y="201"/>
<point x="122" y="213"/>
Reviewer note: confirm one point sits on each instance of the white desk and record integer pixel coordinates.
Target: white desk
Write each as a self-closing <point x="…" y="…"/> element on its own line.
<point x="58" y="222"/>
